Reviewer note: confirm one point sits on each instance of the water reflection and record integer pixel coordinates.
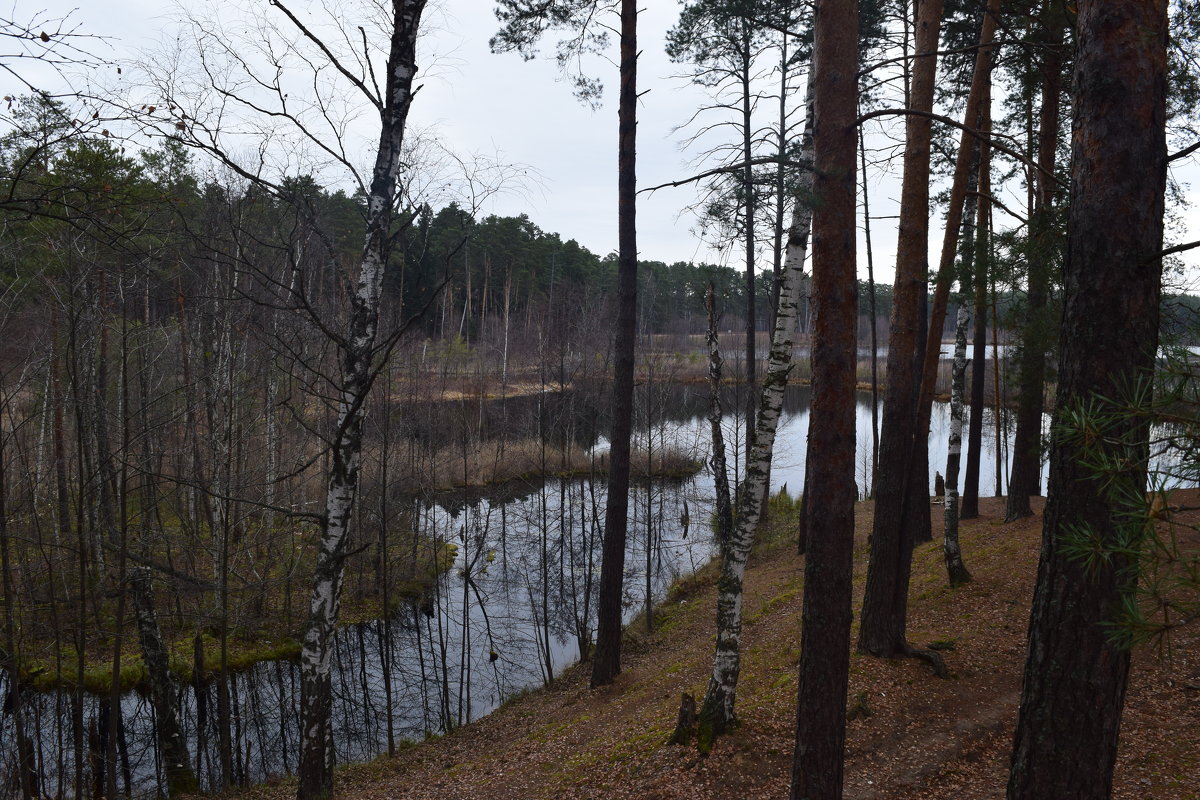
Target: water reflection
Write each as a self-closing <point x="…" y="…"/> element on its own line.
<point x="517" y="607"/>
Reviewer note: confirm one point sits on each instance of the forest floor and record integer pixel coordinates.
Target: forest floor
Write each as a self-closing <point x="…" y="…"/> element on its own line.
<point x="911" y="735"/>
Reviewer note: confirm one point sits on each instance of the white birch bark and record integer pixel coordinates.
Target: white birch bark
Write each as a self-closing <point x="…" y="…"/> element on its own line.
<point x="717" y="711"/>
<point x="723" y="506"/>
<point x="954" y="563"/>
<point x="357" y="350"/>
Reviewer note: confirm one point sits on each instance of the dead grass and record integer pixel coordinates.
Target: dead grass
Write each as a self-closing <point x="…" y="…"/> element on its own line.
<point x="912" y="736"/>
<point x="498" y="462"/>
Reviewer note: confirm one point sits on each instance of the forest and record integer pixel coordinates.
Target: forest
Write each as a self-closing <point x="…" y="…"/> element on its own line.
<point x="312" y="452"/>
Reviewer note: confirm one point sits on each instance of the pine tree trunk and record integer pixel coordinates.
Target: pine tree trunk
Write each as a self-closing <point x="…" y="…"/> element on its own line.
<point x="357" y="354"/>
<point x="1075" y="676"/>
<point x="965" y="173"/>
<point x="606" y="658"/>
<point x="885" y="601"/>
<point x="748" y="192"/>
<point x="982" y="264"/>
<point x="829" y="503"/>
<point x="717" y="711"/>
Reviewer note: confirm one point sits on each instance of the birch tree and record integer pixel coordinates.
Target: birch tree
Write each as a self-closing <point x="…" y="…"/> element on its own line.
<point x="955" y="568"/>
<point x="357" y="353"/>
<point x="250" y="83"/>
<point x="717" y="713"/>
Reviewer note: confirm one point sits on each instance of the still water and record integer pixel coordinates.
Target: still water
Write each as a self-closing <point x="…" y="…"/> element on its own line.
<point x="515" y="610"/>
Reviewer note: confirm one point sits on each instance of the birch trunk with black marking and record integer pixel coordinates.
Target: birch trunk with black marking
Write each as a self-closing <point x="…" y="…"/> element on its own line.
<point x="717" y="712"/>
<point x="723" y="508"/>
<point x="955" y="568"/>
<point x="357" y="350"/>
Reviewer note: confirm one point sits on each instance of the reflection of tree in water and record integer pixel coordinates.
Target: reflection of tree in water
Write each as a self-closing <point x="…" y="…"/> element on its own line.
<point x="516" y="607"/>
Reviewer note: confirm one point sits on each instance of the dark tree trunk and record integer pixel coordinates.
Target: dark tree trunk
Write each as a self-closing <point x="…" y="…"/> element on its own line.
<point x="606" y="659"/>
<point x="1075" y="676"/>
<point x="964" y="173"/>
<point x="970" y="498"/>
<point x="748" y="189"/>
<point x="829" y="501"/>
<point x="163" y="693"/>
<point x="886" y="599"/>
<point x="25" y="767"/>
<point x="1025" y="479"/>
<point x="916" y="522"/>
<point x="869" y="483"/>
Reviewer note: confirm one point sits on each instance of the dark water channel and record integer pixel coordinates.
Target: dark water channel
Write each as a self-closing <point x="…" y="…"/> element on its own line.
<point x="509" y="616"/>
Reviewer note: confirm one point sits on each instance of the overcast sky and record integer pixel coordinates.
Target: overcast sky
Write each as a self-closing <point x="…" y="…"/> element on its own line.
<point x="522" y="112"/>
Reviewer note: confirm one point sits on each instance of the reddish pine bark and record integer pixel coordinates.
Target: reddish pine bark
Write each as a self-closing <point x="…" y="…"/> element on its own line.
<point x="885" y="601"/>
<point x="831" y="491"/>
<point x="606" y="660"/>
<point x="1075" y="676"/>
<point x="979" y="94"/>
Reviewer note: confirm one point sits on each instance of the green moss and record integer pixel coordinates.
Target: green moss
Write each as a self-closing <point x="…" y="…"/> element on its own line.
<point x="97" y="677"/>
<point x="771" y="606"/>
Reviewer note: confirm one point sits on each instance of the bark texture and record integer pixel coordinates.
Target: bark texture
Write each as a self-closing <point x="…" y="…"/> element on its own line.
<point x="955" y="569"/>
<point x="723" y="506"/>
<point x="717" y="711"/>
<point x="1075" y="678"/>
<point x="357" y="353"/>
<point x="885" y="602"/>
<point x="606" y="660"/>
<point x="825" y="628"/>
